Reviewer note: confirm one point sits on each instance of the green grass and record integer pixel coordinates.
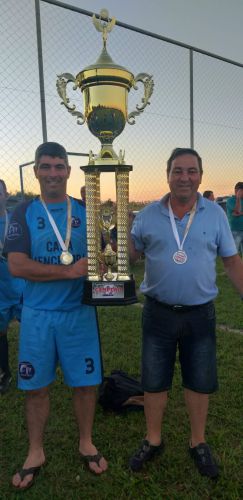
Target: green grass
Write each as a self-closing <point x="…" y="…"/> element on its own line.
<point x="173" y="475"/>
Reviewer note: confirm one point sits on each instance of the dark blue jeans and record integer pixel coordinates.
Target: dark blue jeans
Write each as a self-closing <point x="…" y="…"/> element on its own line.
<point x="193" y="332"/>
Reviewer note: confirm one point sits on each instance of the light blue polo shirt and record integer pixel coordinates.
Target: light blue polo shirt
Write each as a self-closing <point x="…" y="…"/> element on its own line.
<point x="191" y="283"/>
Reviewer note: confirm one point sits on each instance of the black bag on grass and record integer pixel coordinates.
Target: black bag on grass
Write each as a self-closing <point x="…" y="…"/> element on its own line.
<point x="120" y="392"/>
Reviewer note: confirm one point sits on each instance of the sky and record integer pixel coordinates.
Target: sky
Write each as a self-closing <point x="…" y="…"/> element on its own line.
<point x="70" y="42"/>
<point x="211" y="25"/>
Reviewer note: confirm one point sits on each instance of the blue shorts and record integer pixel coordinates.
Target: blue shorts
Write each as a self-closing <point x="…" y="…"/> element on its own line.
<point x="9" y="313"/>
<point x="193" y="332"/>
<point x="70" y="338"/>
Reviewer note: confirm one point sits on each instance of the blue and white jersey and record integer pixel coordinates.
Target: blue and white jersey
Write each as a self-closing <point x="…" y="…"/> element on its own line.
<point x="10" y="288"/>
<point x="30" y="232"/>
<point x="193" y="282"/>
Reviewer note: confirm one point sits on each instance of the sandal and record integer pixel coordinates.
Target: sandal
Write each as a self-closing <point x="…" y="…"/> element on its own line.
<point x="23" y="473"/>
<point x="88" y="459"/>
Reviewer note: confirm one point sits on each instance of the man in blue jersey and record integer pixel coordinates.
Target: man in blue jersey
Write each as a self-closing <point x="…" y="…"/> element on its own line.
<point x="46" y="245"/>
<point x="181" y="236"/>
<point x="10" y="295"/>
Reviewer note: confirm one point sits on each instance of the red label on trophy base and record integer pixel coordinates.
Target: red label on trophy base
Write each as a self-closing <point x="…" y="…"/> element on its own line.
<point x="109" y="290"/>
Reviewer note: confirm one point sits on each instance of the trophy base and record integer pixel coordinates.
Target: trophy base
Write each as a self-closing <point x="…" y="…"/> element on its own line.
<point x="109" y="293"/>
<point x="106" y="166"/>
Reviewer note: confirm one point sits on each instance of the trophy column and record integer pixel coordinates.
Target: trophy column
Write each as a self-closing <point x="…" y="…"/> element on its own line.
<point x="92" y="183"/>
<point x="122" y="199"/>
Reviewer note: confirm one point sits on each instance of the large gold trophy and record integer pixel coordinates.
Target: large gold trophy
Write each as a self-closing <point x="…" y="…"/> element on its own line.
<point x="105" y="86"/>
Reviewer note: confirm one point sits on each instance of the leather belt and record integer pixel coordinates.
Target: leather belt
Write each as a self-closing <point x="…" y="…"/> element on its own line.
<point x="178" y="307"/>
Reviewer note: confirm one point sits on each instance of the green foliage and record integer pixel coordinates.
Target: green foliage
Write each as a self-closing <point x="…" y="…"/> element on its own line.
<point x="171" y="476"/>
<point x="138" y="205"/>
<point x="133" y="205"/>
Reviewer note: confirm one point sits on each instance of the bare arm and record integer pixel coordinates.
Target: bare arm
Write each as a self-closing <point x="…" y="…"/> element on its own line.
<point x="237" y="210"/>
<point x="234" y="269"/>
<point x="133" y="253"/>
<point x="21" y="266"/>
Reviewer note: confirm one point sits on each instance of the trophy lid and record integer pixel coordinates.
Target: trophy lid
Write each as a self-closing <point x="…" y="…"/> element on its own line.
<point x="105" y="61"/>
<point x="104" y="67"/>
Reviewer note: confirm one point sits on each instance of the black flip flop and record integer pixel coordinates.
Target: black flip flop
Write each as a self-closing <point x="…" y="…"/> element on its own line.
<point x="87" y="459"/>
<point x="23" y="473"/>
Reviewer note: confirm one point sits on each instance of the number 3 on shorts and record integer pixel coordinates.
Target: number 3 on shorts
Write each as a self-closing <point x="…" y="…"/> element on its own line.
<point x="89" y="365"/>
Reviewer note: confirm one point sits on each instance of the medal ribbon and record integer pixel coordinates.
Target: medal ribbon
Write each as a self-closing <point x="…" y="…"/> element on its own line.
<point x="174" y="228"/>
<point x="5" y="232"/>
<point x="64" y="245"/>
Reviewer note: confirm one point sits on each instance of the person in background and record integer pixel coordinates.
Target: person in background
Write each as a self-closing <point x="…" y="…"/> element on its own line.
<point x="209" y="195"/>
<point x="46" y="245"/>
<point x="181" y="236"/>
<point x="234" y="208"/>
<point x="10" y="295"/>
<point x="83" y="196"/>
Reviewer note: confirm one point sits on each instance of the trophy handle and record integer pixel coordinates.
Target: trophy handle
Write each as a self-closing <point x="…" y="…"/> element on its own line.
<point x="148" y="83"/>
<point x="61" y="84"/>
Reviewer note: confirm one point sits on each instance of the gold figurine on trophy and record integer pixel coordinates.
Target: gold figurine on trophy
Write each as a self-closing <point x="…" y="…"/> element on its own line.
<point x="105" y="86"/>
<point x="108" y="256"/>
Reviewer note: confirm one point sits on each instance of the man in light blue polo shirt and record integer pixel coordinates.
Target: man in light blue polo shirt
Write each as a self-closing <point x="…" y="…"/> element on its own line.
<point x="181" y="236"/>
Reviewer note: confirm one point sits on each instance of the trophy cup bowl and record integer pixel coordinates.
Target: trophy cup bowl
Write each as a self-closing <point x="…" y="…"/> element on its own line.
<point x="105" y="86"/>
<point x="105" y="102"/>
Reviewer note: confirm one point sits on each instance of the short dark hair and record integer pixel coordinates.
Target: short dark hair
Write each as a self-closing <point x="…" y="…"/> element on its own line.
<point x="183" y="151"/>
<point x="4" y="186"/>
<point x="50" y="149"/>
<point x="206" y="194"/>
<point x="239" y="185"/>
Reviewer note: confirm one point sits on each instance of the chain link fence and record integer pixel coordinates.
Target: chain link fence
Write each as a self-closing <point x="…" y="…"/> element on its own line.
<point x="197" y="100"/>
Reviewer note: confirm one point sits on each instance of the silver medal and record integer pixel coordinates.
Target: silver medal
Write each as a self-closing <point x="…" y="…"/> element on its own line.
<point x="180" y="257"/>
<point x="66" y="258"/>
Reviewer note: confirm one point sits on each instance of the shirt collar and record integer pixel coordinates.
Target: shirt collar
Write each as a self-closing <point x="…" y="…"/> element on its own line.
<point x="164" y="203"/>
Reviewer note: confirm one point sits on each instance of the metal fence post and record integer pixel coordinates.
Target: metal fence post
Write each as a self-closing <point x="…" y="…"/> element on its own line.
<point x="191" y="100"/>
<point x="41" y="71"/>
<point x="21" y="181"/>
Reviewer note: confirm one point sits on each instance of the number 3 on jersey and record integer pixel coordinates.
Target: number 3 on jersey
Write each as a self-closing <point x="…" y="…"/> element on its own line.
<point x="41" y="223"/>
